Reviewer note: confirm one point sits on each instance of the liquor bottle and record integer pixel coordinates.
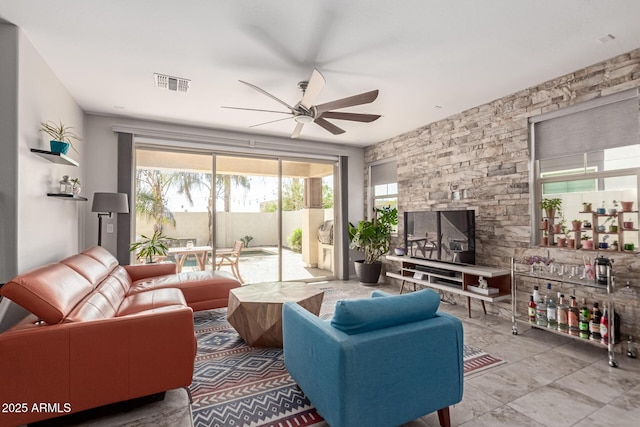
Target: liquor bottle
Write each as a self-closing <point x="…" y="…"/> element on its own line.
<point x="594" y="323"/>
<point x="531" y="310"/>
<point x="536" y="295"/>
<point x="552" y="314"/>
<point x="541" y="313"/>
<point x="604" y="326"/>
<point x="573" y="319"/>
<point x="583" y="323"/>
<point x="563" y="315"/>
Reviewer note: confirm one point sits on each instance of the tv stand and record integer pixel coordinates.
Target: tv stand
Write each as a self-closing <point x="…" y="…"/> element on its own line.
<point x="455" y="278"/>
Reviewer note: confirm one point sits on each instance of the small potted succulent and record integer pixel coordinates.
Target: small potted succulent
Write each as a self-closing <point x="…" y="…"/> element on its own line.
<point x="61" y="136"/>
<point x="587" y="207"/>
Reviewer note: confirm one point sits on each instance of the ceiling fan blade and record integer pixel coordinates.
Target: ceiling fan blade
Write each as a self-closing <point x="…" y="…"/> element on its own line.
<point x="367" y="118"/>
<point x="271" y="121"/>
<point x="257" y="109"/>
<point x="316" y="83"/>
<point x="328" y="126"/>
<point x="264" y="92"/>
<point x="363" y="98"/>
<point x="297" y="130"/>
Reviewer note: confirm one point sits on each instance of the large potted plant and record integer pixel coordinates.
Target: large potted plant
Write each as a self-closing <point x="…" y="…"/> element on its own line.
<point x="61" y="136"/>
<point x="372" y="237"/>
<point x="150" y="249"/>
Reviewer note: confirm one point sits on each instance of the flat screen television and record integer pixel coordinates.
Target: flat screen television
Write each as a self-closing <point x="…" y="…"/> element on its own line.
<point x="447" y="236"/>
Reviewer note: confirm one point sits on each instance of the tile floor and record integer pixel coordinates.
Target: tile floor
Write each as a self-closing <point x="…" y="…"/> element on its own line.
<point x="548" y="380"/>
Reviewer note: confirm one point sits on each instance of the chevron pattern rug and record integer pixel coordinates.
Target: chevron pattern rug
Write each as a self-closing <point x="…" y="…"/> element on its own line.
<point x="237" y="385"/>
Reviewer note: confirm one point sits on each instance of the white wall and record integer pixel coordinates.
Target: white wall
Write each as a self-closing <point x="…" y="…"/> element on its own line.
<point x="49" y="229"/>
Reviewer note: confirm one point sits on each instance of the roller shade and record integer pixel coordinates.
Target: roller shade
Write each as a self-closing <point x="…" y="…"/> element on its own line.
<point x="384" y="173"/>
<point x="592" y="128"/>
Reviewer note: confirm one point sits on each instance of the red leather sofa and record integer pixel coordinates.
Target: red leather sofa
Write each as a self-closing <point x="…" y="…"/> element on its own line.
<point x="100" y="333"/>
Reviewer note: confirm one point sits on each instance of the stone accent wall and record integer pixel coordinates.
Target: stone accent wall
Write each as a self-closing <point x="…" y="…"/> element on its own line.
<point x="484" y="154"/>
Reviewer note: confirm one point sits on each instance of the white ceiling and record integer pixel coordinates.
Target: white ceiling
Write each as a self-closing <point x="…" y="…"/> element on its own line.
<point x="429" y="58"/>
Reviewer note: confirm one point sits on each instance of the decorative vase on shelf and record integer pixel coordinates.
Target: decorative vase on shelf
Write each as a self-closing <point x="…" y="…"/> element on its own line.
<point x="66" y="186"/>
<point x="59" y="146"/>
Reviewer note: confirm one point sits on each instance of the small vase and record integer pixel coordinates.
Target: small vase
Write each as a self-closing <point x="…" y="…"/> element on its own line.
<point x="613" y="229"/>
<point x="76" y="189"/>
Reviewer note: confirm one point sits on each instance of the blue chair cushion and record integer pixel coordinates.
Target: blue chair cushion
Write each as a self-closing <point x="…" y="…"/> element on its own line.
<point x="364" y="315"/>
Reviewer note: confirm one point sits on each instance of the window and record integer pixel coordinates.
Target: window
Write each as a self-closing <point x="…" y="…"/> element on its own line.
<point x="384" y="185"/>
<point x="588" y="153"/>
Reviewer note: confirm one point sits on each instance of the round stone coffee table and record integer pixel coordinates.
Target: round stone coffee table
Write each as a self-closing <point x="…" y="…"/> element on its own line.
<point x="255" y="311"/>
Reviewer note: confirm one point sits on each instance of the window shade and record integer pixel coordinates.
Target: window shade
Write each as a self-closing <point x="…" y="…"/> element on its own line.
<point x="384" y="173"/>
<point x="605" y="126"/>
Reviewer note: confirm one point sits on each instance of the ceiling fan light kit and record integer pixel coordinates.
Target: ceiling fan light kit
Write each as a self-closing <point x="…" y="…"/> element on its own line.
<point x="305" y="112"/>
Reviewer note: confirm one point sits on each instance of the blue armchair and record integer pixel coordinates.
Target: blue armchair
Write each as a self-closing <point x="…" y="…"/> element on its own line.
<point x="379" y="362"/>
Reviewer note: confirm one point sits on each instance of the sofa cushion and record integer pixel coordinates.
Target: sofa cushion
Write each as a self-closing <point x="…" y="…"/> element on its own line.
<point x="50" y="292"/>
<point x="151" y="300"/>
<point x="363" y="315"/>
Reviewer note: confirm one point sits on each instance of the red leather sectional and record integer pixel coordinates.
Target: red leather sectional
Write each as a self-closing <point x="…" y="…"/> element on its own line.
<point x="100" y="333"/>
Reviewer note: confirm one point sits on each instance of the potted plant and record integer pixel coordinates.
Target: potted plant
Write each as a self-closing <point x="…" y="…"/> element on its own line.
<point x="544" y="240"/>
<point x="587" y="207"/>
<point x="61" y="136"/>
<point x="373" y="237"/>
<point x="614" y="245"/>
<point x="576" y="225"/>
<point x="587" y="243"/>
<point x="149" y="248"/>
<point x="551" y="206"/>
<point x="77" y="187"/>
<point x="626" y="206"/>
<point x="614" y="209"/>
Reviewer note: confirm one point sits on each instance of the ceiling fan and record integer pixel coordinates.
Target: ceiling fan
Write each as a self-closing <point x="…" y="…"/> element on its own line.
<point x="305" y="112"/>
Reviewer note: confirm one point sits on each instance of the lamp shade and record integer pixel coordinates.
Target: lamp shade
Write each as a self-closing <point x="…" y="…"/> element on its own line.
<point x="110" y="202"/>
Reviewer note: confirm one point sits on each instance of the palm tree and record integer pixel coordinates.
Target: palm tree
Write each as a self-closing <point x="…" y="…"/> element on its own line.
<point x="152" y="187"/>
<point x="223" y="187"/>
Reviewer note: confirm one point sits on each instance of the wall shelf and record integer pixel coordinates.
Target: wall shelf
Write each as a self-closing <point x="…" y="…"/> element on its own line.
<point x="68" y="197"/>
<point x="55" y="157"/>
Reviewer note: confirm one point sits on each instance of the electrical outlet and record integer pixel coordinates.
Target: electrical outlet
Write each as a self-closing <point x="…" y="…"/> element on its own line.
<point x="109" y="228"/>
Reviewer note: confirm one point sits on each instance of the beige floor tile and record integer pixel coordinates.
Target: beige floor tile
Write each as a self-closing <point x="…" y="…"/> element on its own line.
<point x="503" y="416"/>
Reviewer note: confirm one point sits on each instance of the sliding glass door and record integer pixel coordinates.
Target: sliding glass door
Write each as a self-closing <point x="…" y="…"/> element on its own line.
<point x="204" y="204"/>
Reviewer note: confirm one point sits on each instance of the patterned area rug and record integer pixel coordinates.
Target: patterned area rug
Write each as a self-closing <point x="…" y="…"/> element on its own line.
<point x="237" y="385"/>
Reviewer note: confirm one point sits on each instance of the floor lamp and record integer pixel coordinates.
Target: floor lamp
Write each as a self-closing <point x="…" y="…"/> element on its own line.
<point x="106" y="204"/>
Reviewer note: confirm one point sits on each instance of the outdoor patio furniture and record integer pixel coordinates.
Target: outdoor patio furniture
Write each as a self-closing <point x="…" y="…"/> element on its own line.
<point x="231" y="259"/>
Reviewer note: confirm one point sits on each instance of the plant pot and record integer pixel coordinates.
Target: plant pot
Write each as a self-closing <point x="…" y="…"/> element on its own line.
<point x="613" y="211"/>
<point x="614" y="246"/>
<point x="601" y="211"/>
<point x="544" y="225"/>
<point x="368" y="273"/>
<point x="571" y="243"/>
<point x="587" y="207"/>
<point x="613" y="229"/>
<point x="627" y="206"/>
<point x="627" y="224"/>
<point x="551" y="213"/>
<point x="399" y="251"/>
<point x="557" y="228"/>
<point x="59" y="146"/>
<point x="576" y="225"/>
<point x="601" y="228"/>
<point x="603" y="245"/>
<point x="544" y="241"/>
<point x="587" y="244"/>
<point x="562" y="242"/>
<point x="629" y="246"/>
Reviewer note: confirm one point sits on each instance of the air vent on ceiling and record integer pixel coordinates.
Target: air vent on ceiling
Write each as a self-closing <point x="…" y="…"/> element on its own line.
<point x="175" y="84"/>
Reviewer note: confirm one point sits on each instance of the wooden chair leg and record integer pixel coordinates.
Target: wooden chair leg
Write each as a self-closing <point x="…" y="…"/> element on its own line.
<point x="444" y="418"/>
<point x="484" y="307"/>
<point x="402" y="287"/>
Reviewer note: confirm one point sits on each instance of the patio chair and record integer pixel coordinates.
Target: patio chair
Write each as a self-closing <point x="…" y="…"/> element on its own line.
<point x="231" y="259"/>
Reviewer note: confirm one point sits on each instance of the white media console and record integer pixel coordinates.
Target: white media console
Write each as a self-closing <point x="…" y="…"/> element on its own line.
<point x="455" y="278"/>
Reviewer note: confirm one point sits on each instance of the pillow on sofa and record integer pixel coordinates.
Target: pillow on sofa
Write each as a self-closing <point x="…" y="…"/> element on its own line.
<point x="363" y="315"/>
